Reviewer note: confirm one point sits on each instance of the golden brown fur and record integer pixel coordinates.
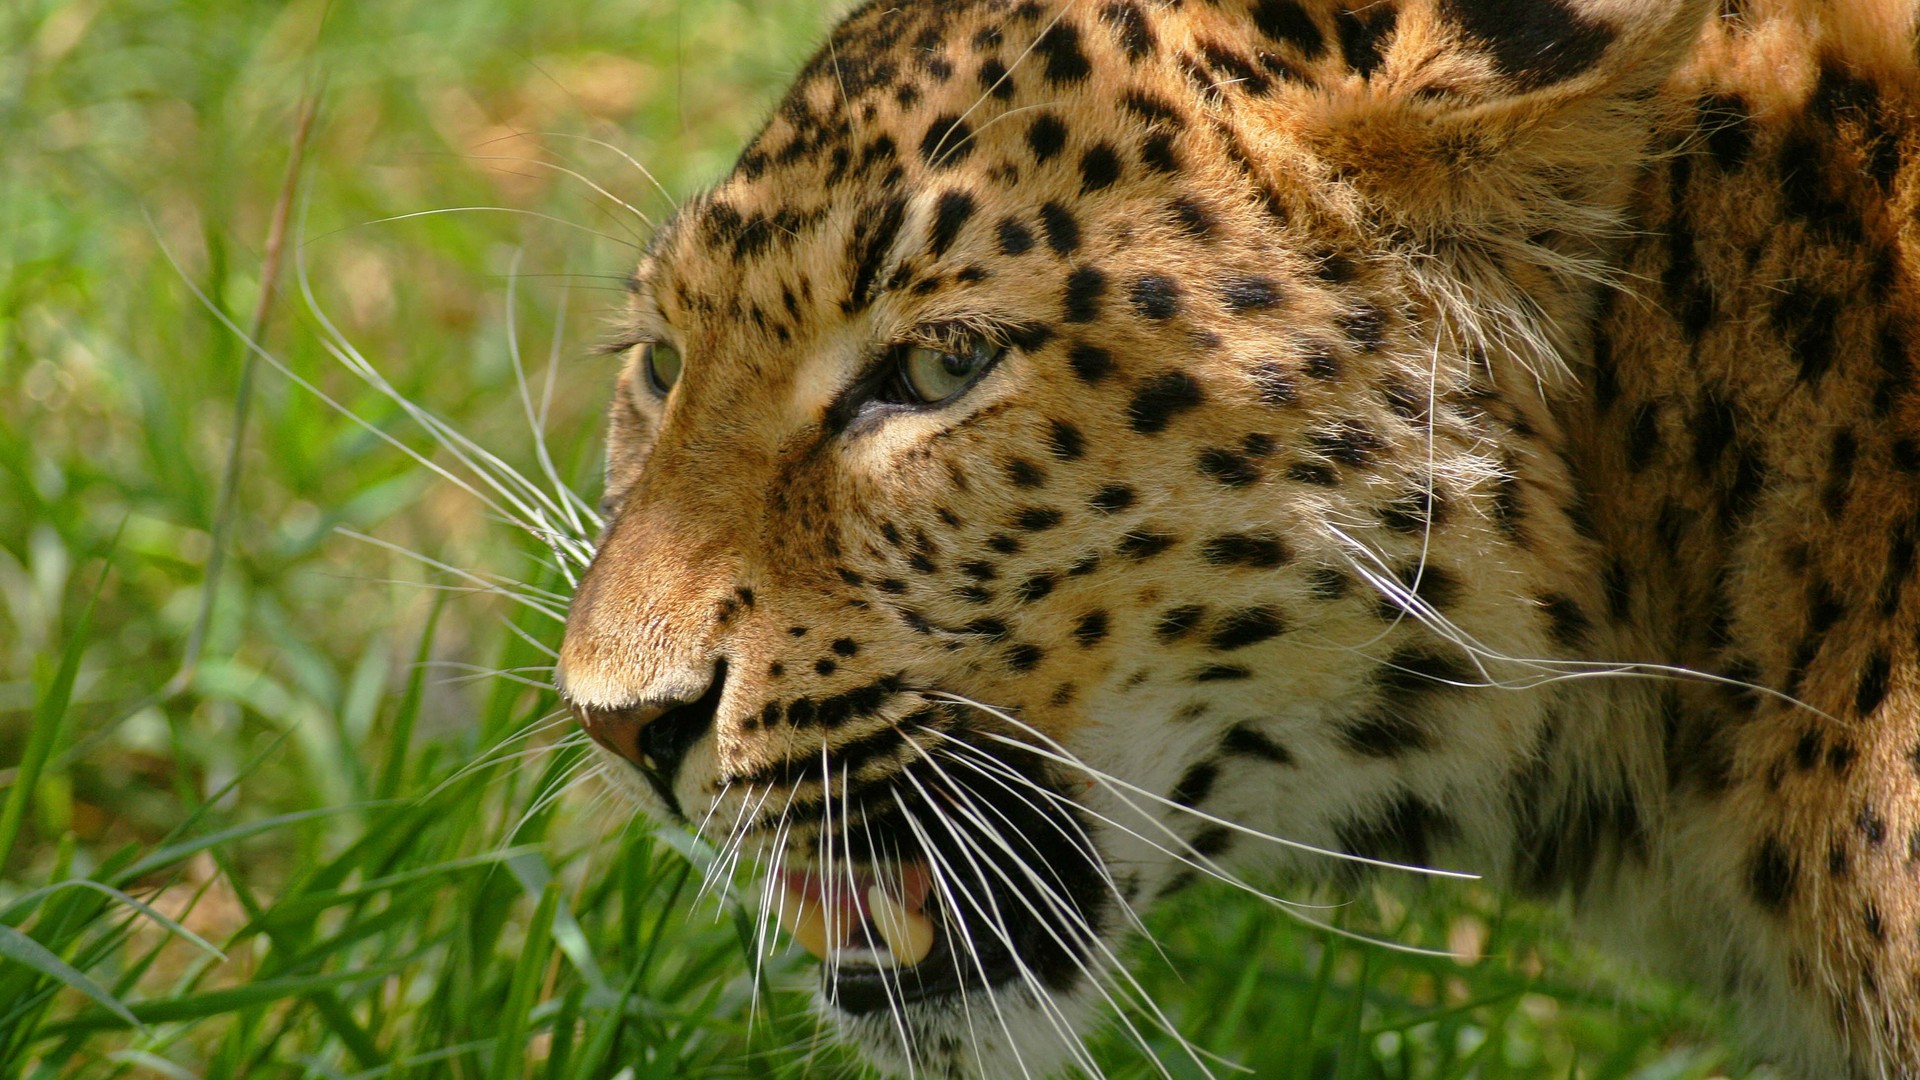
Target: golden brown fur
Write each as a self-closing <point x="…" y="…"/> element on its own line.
<point x="1479" y="433"/>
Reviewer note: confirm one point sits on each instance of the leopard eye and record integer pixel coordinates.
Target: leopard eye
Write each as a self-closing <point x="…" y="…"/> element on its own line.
<point x="662" y="362"/>
<point x="930" y="376"/>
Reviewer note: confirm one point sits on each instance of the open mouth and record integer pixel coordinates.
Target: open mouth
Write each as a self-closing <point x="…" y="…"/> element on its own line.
<point x="866" y="920"/>
<point x="982" y="886"/>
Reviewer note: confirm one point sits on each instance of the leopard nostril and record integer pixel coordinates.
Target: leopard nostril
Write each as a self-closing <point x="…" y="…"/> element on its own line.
<point x="656" y="736"/>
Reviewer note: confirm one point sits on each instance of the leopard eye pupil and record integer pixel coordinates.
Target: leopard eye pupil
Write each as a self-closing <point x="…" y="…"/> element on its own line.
<point x="662" y="362"/>
<point x="930" y="376"/>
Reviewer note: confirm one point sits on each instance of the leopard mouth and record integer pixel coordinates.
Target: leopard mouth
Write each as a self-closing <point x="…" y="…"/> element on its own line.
<point x="963" y="888"/>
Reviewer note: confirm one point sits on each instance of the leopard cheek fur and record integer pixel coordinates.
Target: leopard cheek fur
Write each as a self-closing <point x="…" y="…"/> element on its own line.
<point x="1396" y="451"/>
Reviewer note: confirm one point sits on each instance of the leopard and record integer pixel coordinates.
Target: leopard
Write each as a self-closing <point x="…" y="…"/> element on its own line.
<point x="1083" y="447"/>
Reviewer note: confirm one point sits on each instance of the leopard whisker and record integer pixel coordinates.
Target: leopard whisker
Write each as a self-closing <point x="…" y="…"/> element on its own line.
<point x="529" y="500"/>
<point x="630" y="159"/>
<point x="480" y="583"/>
<point x="991" y="912"/>
<point x="1124" y="981"/>
<point x="947" y="880"/>
<point x="1191" y="857"/>
<point x="1549" y="669"/>
<point x="572" y="507"/>
<point x="1060" y="755"/>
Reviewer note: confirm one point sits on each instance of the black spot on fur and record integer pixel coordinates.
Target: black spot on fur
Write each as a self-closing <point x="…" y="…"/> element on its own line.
<point x="1771" y="873"/>
<point x="1871" y="825"/>
<point x="1258" y="550"/>
<point x="952" y="211"/>
<point x="1131" y="29"/>
<point x="872" y="238"/>
<point x="1091" y="628"/>
<point x="1025" y="657"/>
<point x="1160" y="398"/>
<point x="1062" y="229"/>
<point x="1247" y="626"/>
<point x="1366" y="327"/>
<point x="1840" y="458"/>
<point x="1243" y="741"/>
<point x="1193" y="218"/>
<point x="1285" y="21"/>
<point x="1348" y="442"/>
<point x="1060" y="48"/>
<point x="1415" y="512"/>
<point x="1140" y="544"/>
<point x="1015" y="238"/>
<point x="1176" y="623"/>
<point x="1227" y="467"/>
<point x="993" y="79"/>
<point x="1432" y="585"/>
<point x="1643" y="435"/>
<point x="1090" y="362"/>
<point x="1533" y="42"/>
<point x="1065" y="440"/>
<point x="1037" y="518"/>
<point x="1327" y="583"/>
<point x="1046" y="137"/>
<point x="1363" y="36"/>
<point x="1085" y="286"/>
<point x="1312" y="472"/>
<point x="948" y="141"/>
<point x="1035" y="587"/>
<point x="1727" y="123"/>
<point x="1157" y="153"/>
<point x="1566" y="621"/>
<point x="1275" y="383"/>
<point x="1195" y="784"/>
<point x="1405" y="831"/>
<point x="1251" y="293"/>
<point x="1026" y="474"/>
<point x="1155" y="296"/>
<point x="1713" y="430"/>
<point x="1872" y="688"/>
<point x="1807" y="320"/>
<point x="1099" y="168"/>
<point x="1112" y="499"/>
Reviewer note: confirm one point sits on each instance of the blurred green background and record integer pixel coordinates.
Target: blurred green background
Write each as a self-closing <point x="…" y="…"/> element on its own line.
<point x="345" y="841"/>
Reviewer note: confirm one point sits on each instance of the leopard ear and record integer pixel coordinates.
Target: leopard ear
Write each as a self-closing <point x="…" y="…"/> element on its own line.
<point x="1499" y="137"/>
<point x="1452" y="103"/>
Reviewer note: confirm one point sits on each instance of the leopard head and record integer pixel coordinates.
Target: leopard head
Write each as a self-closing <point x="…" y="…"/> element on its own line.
<point x="1081" y="443"/>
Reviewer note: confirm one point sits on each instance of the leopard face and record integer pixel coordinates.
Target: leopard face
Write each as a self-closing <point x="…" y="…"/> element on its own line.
<point x="1085" y="447"/>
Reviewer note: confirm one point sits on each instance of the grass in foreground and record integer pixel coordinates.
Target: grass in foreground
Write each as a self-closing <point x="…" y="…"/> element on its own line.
<point x="338" y="844"/>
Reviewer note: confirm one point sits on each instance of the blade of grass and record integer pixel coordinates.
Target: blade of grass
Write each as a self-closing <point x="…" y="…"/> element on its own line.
<point x="49" y="715"/>
<point x="510" y="1051"/>
<point x="16" y="946"/>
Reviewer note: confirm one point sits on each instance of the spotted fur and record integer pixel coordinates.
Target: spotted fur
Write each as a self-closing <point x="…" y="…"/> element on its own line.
<point x="1467" y="433"/>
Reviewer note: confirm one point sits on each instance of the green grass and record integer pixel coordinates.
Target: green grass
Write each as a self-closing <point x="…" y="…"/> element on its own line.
<point x="291" y="857"/>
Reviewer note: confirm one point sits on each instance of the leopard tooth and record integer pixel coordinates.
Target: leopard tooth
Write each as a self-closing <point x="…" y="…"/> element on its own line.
<point x="806" y="921"/>
<point x="908" y="934"/>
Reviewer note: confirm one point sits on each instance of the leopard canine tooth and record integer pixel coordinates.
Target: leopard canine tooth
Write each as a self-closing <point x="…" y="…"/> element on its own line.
<point x="908" y="934"/>
<point x="806" y="920"/>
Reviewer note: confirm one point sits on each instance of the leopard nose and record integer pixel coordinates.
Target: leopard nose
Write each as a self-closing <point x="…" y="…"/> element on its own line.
<point x="655" y="736"/>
